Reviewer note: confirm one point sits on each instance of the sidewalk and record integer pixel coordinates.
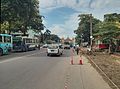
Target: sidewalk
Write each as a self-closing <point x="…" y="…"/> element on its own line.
<point x="84" y="76"/>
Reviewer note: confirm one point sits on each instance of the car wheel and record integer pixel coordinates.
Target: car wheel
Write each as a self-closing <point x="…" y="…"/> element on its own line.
<point x="48" y="54"/>
<point x="59" y="55"/>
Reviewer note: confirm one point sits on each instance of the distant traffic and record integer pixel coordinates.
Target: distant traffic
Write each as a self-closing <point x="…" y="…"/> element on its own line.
<point x="9" y="43"/>
<point x="12" y="43"/>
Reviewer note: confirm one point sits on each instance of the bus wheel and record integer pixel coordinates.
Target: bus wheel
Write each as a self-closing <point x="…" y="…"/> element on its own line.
<point x="1" y="52"/>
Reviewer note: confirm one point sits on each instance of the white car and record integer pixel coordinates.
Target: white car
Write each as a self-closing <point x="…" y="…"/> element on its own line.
<point x="55" y="49"/>
<point x="45" y="46"/>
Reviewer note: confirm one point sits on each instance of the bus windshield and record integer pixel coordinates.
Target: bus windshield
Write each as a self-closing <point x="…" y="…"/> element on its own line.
<point x="17" y="43"/>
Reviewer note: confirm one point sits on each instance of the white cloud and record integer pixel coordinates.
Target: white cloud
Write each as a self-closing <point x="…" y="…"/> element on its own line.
<point x="97" y="4"/>
<point x="97" y="7"/>
<point x="48" y="5"/>
<point x="57" y="29"/>
<point x="70" y="3"/>
<point x="67" y="28"/>
<point x="56" y="3"/>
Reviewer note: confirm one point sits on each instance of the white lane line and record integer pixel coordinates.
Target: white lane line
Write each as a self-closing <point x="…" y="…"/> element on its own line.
<point x="16" y="58"/>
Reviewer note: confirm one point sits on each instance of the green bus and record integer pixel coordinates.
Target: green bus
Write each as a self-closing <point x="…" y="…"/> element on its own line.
<point x="23" y="44"/>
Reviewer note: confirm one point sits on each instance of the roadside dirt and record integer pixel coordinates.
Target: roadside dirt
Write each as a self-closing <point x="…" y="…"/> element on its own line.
<point x="110" y="65"/>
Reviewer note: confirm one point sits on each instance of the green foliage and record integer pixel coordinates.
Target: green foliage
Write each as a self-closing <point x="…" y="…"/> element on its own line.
<point x="47" y="34"/>
<point x="54" y="37"/>
<point x="109" y="28"/>
<point x="21" y="14"/>
<point x="83" y="31"/>
<point x="36" y="24"/>
<point x="4" y="26"/>
<point x="78" y="39"/>
<point x="113" y="17"/>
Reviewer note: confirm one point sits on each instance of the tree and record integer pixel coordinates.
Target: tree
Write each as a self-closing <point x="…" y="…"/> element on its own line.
<point x="54" y="38"/>
<point x="37" y="24"/>
<point x="83" y="31"/>
<point x="4" y="27"/>
<point x="109" y="29"/>
<point x="47" y="35"/>
<point x="8" y="13"/>
<point x="21" y="14"/>
<point x="113" y="17"/>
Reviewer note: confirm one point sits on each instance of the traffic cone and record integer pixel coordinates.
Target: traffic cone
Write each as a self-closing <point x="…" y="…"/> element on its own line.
<point x="80" y="62"/>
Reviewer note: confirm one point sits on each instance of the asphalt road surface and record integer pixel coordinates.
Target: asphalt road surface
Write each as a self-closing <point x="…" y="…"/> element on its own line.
<point x="35" y="70"/>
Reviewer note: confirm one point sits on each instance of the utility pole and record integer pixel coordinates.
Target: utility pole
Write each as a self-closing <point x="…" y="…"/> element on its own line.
<point x="91" y="36"/>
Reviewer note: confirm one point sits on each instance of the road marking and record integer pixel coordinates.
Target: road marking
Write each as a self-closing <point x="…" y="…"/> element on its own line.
<point x="67" y="78"/>
<point x="16" y="58"/>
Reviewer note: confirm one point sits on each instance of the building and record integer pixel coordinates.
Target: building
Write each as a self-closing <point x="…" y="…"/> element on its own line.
<point x="68" y="40"/>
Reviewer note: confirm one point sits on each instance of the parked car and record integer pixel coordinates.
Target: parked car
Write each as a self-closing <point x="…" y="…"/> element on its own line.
<point x="45" y="46"/>
<point x="55" y="49"/>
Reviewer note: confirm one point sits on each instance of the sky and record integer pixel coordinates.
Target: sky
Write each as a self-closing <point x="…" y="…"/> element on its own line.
<point x="61" y="16"/>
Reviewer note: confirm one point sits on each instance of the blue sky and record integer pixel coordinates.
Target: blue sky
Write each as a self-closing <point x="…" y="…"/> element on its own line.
<point x="61" y="15"/>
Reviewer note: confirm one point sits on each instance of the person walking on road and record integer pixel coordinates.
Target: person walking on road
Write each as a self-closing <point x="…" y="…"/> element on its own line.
<point x="39" y="46"/>
<point x="77" y="49"/>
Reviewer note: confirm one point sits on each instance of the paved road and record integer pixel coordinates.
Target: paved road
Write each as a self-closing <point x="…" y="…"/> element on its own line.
<point x="19" y="54"/>
<point x="34" y="70"/>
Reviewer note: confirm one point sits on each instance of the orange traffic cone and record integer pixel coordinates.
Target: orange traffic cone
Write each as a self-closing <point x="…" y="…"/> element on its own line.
<point x="80" y="62"/>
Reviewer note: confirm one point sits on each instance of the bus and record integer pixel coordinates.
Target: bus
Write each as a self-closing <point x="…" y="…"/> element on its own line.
<point x="32" y="43"/>
<point x="5" y="44"/>
<point x="24" y="44"/>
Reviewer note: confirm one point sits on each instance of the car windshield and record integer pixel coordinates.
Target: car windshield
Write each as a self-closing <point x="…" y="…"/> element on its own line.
<point x="53" y="47"/>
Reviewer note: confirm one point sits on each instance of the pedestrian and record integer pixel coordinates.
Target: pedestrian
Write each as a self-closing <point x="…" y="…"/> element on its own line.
<point x="73" y="49"/>
<point x="77" y="49"/>
<point x="39" y="46"/>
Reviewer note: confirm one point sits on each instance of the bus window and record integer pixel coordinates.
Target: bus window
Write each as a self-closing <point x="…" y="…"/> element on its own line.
<point x="30" y="41"/>
<point x="0" y="38"/>
<point x="27" y="41"/>
<point x="34" y="40"/>
<point x="17" y="43"/>
<point x="24" y="41"/>
<point x="7" y="39"/>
